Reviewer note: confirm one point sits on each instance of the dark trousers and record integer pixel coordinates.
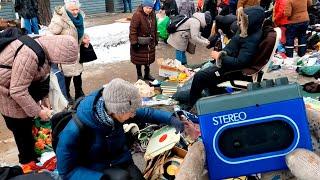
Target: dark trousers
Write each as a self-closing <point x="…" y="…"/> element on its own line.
<point x="293" y="31"/>
<point x="146" y="70"/>
<point x="128" y="172"/>
<point x="209" y="78"/>
<point x="77" y="82"/>
<point x="125" y="5"/>
<point x="22" y="132"/>
<point x="233" y="8"/>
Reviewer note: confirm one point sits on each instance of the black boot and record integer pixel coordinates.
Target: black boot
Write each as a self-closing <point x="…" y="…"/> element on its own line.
<point x="67" y="81"/>
<point x="139" y="73"/>
<point x="147" y="75"/>
<point x="77" y="82"/>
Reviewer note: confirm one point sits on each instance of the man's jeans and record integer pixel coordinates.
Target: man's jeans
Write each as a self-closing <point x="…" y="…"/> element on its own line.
<point x="31" y="25"/>
<point x="297" y="30"/>
<point x="125" y="5"/>
<point x="181" y="56"/>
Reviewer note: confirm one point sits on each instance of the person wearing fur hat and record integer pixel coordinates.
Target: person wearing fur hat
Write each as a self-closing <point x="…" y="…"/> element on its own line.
<point x="236" y="55"/>
<point x="143" y="38"/>
<point x="104" y="113"/>
<point x="68" y="20"/>
<point x="189" y="31"/>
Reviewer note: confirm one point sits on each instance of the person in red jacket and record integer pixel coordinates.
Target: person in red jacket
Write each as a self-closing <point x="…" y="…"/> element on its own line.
<point x="280" y="19"/>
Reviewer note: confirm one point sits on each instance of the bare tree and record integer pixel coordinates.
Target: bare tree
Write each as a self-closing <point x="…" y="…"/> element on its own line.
<point x="44" y="12"/>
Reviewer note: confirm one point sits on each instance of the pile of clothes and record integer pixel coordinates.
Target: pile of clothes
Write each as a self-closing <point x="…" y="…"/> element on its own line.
<point x="314" y="13"/>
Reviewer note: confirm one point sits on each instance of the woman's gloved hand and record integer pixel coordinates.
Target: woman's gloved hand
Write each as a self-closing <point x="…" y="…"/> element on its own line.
<point x="176" y="123"/>
<point x="213" y="40"/>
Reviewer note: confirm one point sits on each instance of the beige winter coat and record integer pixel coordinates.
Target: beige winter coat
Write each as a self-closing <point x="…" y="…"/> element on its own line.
<point x="15" y="100"/>
<point x="179" y="40"/>
<point x="61" y="24"/>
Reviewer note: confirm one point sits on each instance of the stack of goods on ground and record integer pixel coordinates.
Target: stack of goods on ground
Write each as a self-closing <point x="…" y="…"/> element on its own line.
<point x="314" y="14"/>
<point x="301" y="69"/>
<point x="160" y="92"/>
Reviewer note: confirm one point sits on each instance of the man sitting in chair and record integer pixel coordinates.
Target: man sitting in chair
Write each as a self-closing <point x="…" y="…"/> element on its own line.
<point x="237" y="55"/>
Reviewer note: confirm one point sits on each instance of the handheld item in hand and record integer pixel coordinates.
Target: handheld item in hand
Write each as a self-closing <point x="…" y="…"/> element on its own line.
<point x="191" y="48"/>
<point x="252" y="132"/>
<point x="87" y="54"/>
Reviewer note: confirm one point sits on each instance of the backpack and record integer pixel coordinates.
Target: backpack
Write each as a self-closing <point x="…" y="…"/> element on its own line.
<point x="60" y="120"/>
<point x="12" y="34"/>
<point x="175" y="22"/>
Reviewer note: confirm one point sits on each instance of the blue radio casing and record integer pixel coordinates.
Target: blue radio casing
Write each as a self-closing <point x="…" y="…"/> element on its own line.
<point x="218" y="114"/>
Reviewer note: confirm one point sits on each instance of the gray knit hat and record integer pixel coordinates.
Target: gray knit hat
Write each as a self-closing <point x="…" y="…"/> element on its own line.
<point x="121" y="96"/>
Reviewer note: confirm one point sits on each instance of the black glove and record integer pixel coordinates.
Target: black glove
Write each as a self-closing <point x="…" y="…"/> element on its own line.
<point x="176" y="123"/>
<point x="213" y="40"/>
<point x="135" y="47"/>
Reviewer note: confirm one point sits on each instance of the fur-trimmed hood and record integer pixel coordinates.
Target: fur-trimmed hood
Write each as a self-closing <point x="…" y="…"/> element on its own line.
<point x="250" y="20"/>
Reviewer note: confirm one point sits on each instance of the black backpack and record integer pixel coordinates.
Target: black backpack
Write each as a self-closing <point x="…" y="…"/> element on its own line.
<point x="175" y="22"/>
<point x="12" y="34"/>
<point x="60" y="120"/>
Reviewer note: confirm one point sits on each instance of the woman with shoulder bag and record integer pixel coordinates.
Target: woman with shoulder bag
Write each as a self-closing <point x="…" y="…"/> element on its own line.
<point x="69" y="20"/>
<point x="24" y="82"/>
<point x="188" y="35"/>
<point x="143" y="38"/>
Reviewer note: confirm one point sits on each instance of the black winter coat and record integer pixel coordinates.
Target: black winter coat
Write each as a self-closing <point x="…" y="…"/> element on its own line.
<point x="26" y="8"/>
<point x="240" y="52"/>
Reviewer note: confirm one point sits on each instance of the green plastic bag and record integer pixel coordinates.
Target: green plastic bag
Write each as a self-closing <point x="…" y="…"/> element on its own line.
<point x="162" y="27"/>
<point x="309" y="70"/>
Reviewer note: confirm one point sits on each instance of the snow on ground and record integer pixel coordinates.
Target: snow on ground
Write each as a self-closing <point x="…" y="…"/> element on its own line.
<point x="110" y="42"/>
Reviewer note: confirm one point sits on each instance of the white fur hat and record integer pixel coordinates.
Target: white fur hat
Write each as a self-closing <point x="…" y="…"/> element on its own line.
<point x="76" y="2"/>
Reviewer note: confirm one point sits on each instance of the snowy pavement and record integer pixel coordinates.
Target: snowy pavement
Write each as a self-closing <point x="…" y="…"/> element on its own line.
<point x="110" y="42"/>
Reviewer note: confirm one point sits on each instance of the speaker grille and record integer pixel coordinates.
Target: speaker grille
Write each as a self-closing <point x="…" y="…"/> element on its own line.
<point x="256" y="139"/>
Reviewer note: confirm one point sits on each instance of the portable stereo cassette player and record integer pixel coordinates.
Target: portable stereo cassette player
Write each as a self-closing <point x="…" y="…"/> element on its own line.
<point x="252" y="131"/>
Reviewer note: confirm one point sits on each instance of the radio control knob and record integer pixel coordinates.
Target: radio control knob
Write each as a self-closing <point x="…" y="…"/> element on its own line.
<point x="267" y="83"/>
<point x="253" y="86"/>
<point x="281" y="81"/>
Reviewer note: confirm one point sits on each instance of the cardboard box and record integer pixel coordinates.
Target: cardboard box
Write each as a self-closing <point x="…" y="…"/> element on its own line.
<point x="168" y="67"/>
<point x="167" y="71"/>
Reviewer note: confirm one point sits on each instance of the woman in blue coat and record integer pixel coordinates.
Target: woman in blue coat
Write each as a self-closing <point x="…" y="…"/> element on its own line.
<point x="103" y="112"/>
